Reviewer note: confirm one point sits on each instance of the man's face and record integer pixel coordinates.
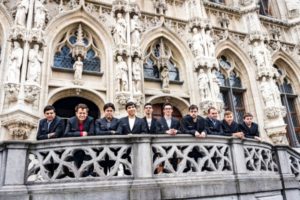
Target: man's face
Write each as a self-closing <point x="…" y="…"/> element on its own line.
<point x="148" y="110"/>
<point x="248" y="120"/>
<point x="131" y="110"/>
<point x="193" y="113"/>
<point x="81" y="114"/>
<point x="109" y="113"/>
<point x="168" y="110"/>
<point x="213" y="114"/>
<point x="228" y="118"/>
<point x="50" y="115"/>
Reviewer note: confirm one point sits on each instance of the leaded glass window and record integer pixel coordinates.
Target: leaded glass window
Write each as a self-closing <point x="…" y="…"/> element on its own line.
<point x="265" y="7"/>
<point x="218" y="1"/>
<point x="232" y="91"/>
<point x="160" y="52"/>
<point x="288" y="99"/>
<point x="64" y="58"/>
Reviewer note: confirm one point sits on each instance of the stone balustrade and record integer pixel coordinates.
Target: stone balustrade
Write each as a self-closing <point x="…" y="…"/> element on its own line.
<point x="148" y="167"/>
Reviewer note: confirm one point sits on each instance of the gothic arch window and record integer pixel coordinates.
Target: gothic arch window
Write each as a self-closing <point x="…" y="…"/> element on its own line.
<point x="160" y="53"/>
<point x="78" y="41"/>
<point x="231" y="88"/>
<point x="288" y="99"/>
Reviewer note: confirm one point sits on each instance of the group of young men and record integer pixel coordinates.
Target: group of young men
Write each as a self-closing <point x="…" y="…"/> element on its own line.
<point x="82" y="125"/>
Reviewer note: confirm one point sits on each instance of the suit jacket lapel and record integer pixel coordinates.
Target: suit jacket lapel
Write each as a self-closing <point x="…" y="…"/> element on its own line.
<point x="164" y="122"/>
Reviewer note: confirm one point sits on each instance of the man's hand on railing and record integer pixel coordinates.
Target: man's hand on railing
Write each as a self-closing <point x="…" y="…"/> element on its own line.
<point x="200" y="135"/>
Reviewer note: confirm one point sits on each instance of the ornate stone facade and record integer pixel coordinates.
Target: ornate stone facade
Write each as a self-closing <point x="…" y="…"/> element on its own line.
<point x="187" y="51"/>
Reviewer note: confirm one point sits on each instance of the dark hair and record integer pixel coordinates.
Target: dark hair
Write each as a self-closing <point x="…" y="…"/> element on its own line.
<point x="193" y="107"/>
<point x="49" y="107"/>
<point x="129" y="104"/>
<point x="147" y="104"/>
<point x="211" y="108"/>
<point x="167" y="104"/>
<point x="109" y="105"/>
<point x="82" y="106"/>
<point x="247" y="115"/>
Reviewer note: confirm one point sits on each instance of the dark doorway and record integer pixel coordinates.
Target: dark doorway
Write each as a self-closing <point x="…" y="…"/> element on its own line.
<point x="158" y="111"/>
<point x="65" y="107"/>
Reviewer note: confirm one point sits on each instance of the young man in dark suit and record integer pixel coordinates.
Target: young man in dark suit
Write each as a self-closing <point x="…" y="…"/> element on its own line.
<point x="167" y="123"/>
<point x="193" y="123"/>
<point x="249" y="128"/>
<point x="108" y="124"/>
<point x="213" y="125"/>
<point x="230" y="127"/>
<point x="51" y="126"/>
<point x="81" y="124"/>
<point x="149" y="120"/>
<point x="131" y="124"/>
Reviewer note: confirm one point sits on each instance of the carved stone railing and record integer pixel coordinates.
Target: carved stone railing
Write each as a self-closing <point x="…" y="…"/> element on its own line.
<point x="147" y="167"/>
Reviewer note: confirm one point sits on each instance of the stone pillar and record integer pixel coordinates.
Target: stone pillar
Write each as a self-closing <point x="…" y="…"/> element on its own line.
<point x="143" y="171"/>
<point x="289" y="183"/>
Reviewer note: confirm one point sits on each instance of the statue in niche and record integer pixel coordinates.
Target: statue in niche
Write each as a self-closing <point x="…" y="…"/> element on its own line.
<point x="210" y="44"/>
<point x="135" y="30"/>
<point x="164" y="75"/>
<point x="136" y="72"/>
<point x="119" y="32"/>
<point x="293" y="5"/>
<point x="34" y="65"/>
<point x="22" y="9"/>
<point x="193" y="9"/>
<point x="197" y="43"/>
<point x="261" y="55"/>
<point x="78" y="67"/>
<point x="266" y="91"/>
<point x="40" y="14"/>
<point x="14" y="63"/>
<point x="215" y="84"/>
<point x="121" y="75"/>
<point x="275" y="92"/>
<point x="203" y="84"/>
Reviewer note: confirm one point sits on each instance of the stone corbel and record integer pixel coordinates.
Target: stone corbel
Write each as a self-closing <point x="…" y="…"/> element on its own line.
<point x="277" y="134"/>
<point x="275" y="112"/>
<point x="267" y="72"/>
<point x="199" y="23"/>
<point x="36" y="35"/>
<point x="119" y="6"/>
<point x="122" y="97"/>
<point x="206" y="104"/>
<point x="19" y="126"/>
<point x="31" y="92"/>
<point x="12" y="91"/>
<point x="258" y="36"/>
<point x="18" y="32"/>
<point x="205" y="62"/>
<point x="121" y="49"/>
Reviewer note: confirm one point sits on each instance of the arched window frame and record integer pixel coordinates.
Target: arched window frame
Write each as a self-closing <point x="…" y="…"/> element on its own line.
<point x="289" y="100"/>
<point x="152" y="57"/>
<point x="66" y="43"/>
<point x="230" y="89"/>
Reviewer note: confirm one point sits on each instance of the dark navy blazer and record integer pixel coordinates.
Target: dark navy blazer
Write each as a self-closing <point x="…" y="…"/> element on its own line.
<point x="57" y="126"/>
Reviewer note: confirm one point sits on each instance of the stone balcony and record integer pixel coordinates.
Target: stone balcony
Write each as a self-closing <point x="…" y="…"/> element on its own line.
<point x="148" y="167"/>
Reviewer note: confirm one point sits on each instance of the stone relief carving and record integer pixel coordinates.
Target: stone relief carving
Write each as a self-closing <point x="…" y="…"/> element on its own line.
<point x="19" y="127"/>
<point x="121" y="75"/>
<point x="12" y="91"/>
<point x="14" y="63"/>
<point x="31" y="92"/>
<point x="35" y="61"/>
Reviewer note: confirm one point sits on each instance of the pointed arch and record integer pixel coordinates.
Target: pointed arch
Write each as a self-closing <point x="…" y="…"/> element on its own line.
<point x="246" y="70"/>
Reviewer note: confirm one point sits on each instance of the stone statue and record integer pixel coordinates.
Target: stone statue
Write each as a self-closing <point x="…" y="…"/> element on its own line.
<point x="135" y="30"/>
<point x="266" y="91"/>
<point x="203" y="84"/>
<point x="215" y="84"/>
<point x="136" y="74"/>
<point x="22" y="9"/>
<point x="14" y="64"/>
<point x="261" y="55"/>
<point x="292" y="5"/>
<point x="34" y="65"/>
<point x="119" y="31"/>
<point x="78" y="67"/>
<point x="210" y="44"/>
<point x="194" y="10"/>
<point x="197" y="43"/>
<point x="40" y="14"/>
<point x="122" y="74"/>
<point x="275" y="92"/>
<point x="164" y="75"/>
